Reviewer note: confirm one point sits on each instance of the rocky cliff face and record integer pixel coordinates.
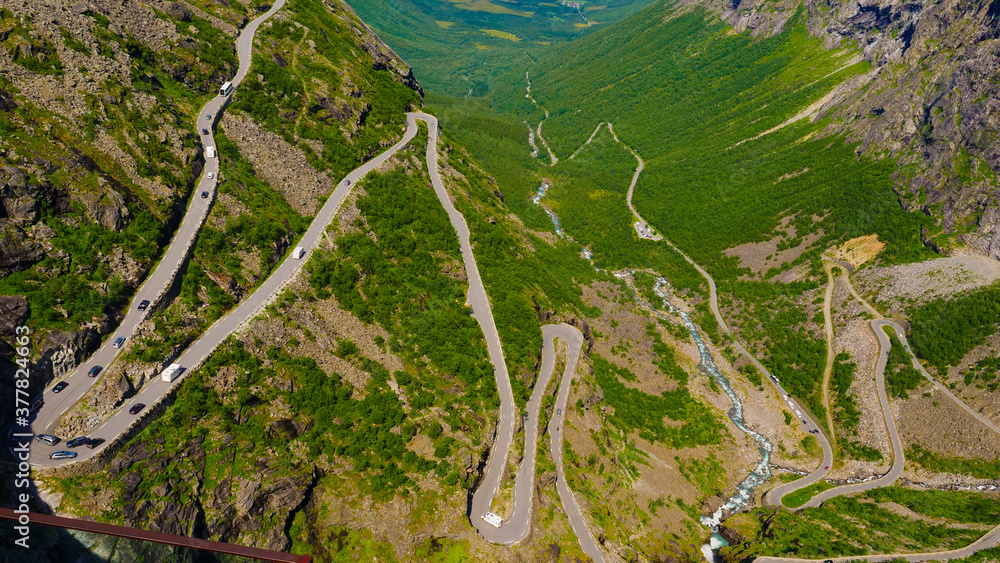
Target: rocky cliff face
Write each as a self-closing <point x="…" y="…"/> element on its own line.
<point x="931" y="100"/>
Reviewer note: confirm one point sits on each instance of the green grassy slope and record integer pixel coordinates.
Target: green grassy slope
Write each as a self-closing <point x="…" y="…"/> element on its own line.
<point x="450" y="49"/>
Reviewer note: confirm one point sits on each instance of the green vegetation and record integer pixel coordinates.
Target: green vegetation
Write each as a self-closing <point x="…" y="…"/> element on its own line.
<point x="849" y="526"/>
<point x="397" y="279"/>
<point x="635" y="410"/>
<point x="961" y="506"/>
<point x="445" y="41"/>
<point x="87" y="287"/>
<point x="945" y="330"/>
<point x="707" y="475"/>
<point x="666" y="357"/>
<point x="986" y="371"/>
<point x="296" y="91"/>
<point x="900" y="375"/>
<point x="802" y="496"/>
<point x="846" y="413"/>
<point x="980" y="468"/>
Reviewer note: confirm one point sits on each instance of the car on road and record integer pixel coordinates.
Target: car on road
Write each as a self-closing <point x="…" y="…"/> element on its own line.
<point x="208" y="116"/>
<point x="204" y="131"/>
<point x="204" y="195"/>
<point x="211" y="175"/>
<point x="37" y="404"/>
<point x="143" y="305"/>
<point x="60" y="386"/>
<point x="78" y="441"/>
<point x="94" y="371"/>
<point x="62" y="455"/>
<point x="558" y="412"/>
<point x="48" y="439"/>
<point x="492" y="519"/>
<point x="119" y="341"/>
<point x="136" y="408"/>
<point x="827" y="467"/>
<point x="94" y="442"/>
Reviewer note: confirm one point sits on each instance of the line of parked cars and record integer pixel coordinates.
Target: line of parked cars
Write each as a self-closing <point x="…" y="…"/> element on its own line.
<point x="63" y="454"/>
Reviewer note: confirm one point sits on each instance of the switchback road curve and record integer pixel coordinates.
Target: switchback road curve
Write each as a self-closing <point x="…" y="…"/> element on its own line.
<point x="898" y="461"/>
<point x="574" y="340"/>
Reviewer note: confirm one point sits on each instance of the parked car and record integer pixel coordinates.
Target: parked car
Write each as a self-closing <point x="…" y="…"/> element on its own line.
<point x="60" y="386"/>
<point x="94" y="442"/>
<point x="62" y="455"/>
<point x="78" y="441"/>
<point x="143" y="305"/>
<point x="37" y="404"/>
<point x="48" y="439"/>
<point x="119" y="341"/>
<point x="136" y="408"/>
<point x="94" y="371"/>
<point x="204" y="195"/>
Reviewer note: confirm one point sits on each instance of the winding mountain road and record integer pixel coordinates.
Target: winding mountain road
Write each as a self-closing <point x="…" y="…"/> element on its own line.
<point x="162" y="276"/>
<point x="828" y="368"/>
<point x="641" y="225"/>
<point x="898" y="461"/>
<point x="115" y="426"/>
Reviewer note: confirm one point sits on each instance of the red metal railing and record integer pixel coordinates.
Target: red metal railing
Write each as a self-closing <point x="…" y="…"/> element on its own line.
<point x="157" y="537"/>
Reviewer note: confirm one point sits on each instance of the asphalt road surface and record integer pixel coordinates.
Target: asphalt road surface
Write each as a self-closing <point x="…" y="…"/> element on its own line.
<point x="118" y="423"/>
<point x="482" y="498"/>
<point x="56" y="404"/>
<point x="574" y="339"/>
<point x="898" y="461"/>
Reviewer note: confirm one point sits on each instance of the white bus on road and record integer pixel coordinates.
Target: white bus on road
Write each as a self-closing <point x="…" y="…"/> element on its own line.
<point x="226" y="89"/>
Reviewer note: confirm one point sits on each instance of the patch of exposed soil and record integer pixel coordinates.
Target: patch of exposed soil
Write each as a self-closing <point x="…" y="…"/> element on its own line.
<point x="762" y="256"/>
<point x="932" y="420"/>
<point x="860" y="250"/>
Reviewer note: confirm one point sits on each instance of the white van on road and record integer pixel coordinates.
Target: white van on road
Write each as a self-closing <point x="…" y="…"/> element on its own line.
<point x="492" y="519"/>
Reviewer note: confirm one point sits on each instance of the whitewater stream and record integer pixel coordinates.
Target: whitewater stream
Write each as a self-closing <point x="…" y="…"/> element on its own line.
<point x="537" y="201"/>
<point x="744" y="491"/>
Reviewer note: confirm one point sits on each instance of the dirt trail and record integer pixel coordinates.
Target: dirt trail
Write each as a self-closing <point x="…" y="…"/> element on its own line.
<point x="828" y="370"/>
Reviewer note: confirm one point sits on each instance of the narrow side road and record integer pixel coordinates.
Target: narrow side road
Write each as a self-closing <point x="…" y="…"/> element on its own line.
<point x="641" y="226"/>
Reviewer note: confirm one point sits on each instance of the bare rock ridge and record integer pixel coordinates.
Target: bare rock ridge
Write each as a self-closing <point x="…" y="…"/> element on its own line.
<point x="930" y="99"/>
